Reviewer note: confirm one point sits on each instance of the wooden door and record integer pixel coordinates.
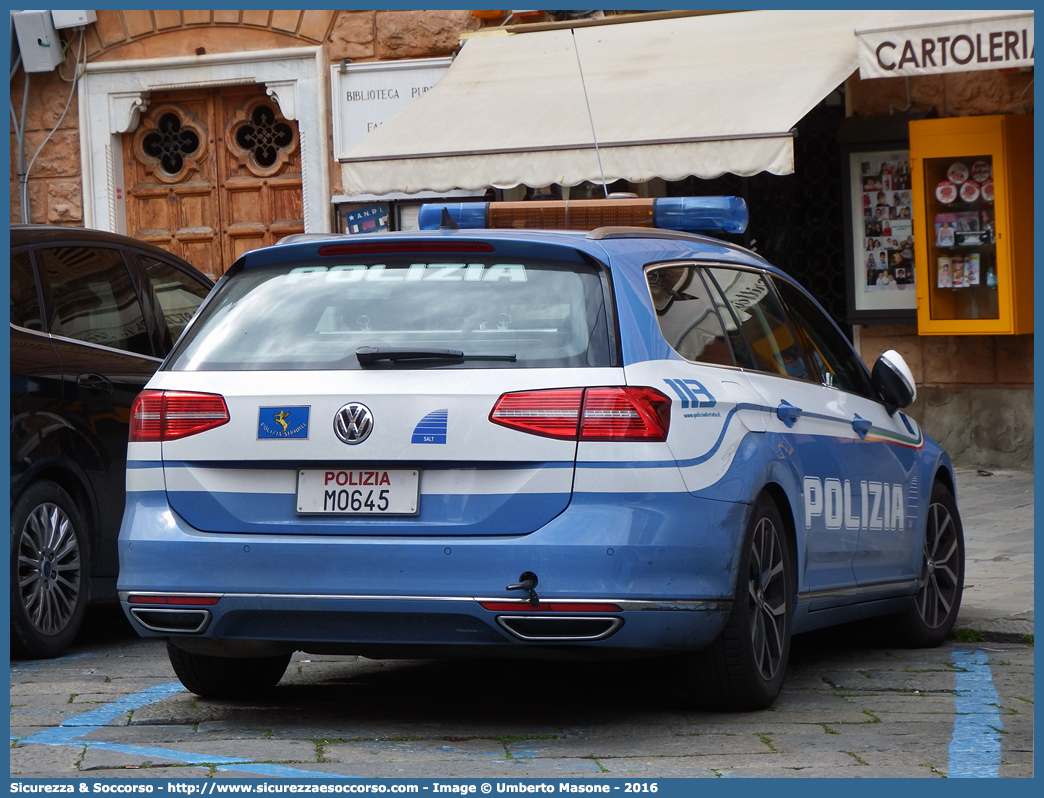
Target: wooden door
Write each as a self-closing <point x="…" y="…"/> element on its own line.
<point x="259" y="167"/>
<point x="213" y="173"/>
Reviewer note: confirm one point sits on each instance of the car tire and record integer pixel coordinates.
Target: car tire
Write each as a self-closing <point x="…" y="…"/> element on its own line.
<point x="50" y="566"/>
<point x="743" y="668"/>
<point x="933" y="612"/>
<point x="226" y="677"/>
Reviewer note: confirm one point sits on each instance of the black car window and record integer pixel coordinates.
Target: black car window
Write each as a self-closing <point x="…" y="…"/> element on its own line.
<point x="762" y="322"/>
<point x="178" y="294"/>
<point x="837" y="362"/>
<point x="25" y="302"/>
<point x="93" y="297"/>
<point x="686" y="314"/>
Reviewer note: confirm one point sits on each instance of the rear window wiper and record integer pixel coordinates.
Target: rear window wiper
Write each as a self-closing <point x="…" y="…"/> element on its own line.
<point x="371" y="354"/>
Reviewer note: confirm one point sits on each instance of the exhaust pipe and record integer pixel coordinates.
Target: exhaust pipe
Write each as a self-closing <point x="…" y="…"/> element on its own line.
<point x="544" y="629"/>
<point x="162" y="620"/>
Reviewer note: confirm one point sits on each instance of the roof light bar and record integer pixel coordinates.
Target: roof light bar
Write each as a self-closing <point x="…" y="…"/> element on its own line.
<point x="702" y="214"/>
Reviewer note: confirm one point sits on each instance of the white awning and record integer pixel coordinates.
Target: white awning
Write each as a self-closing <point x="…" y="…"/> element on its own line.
<point x="667" y="98"/>
<point x="906" y="43"/>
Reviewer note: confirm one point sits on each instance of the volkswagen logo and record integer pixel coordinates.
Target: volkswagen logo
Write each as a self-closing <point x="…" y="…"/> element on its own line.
<point x="353" y="423"/>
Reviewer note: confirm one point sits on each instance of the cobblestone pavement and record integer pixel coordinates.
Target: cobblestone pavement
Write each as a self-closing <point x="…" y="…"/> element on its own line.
<point x="846" y="711"/>
<point x="997" y="510"/>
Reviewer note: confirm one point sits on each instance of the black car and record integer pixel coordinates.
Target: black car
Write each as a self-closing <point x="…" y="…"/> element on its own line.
<point x="92" y="316"/>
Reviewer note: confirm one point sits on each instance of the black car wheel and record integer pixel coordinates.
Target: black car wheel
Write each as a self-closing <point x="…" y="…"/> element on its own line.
<point x="227" y="677"/>
<point x="49" y="570"/>
<point x="743" y="668"/>
<point x="928" y="622"/>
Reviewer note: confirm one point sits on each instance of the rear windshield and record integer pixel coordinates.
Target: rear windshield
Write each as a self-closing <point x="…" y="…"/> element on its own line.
<point x="312" y="315"/>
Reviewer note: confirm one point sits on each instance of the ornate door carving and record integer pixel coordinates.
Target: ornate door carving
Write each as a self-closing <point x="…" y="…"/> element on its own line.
<point x="171" y="176"/>
<point x="260" y="165"/>
<point x="213" y="173"/>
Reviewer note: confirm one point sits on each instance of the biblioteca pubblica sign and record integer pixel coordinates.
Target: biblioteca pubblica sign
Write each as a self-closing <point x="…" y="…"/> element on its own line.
<point x="366" y="95"/>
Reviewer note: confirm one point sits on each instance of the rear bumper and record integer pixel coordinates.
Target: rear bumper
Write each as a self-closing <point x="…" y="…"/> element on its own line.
<point x="666" y="565"/>
<point x="396" y="626"/>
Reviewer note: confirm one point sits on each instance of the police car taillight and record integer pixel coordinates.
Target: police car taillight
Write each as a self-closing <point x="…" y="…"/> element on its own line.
<point x="695" y="214"/>
<point x="622" y="413"/>
<point x="168" y="415"/>
<point x="625" y="414"/>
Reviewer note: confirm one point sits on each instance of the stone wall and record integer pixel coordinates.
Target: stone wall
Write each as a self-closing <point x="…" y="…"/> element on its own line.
<point x="55" y="184"/>
<point x="55" y="188"/>
<point x="954" y="94"/>
<point x="975" y="392"/>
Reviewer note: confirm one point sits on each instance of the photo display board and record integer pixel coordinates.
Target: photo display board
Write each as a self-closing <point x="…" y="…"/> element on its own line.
<point x="882" y="231"/>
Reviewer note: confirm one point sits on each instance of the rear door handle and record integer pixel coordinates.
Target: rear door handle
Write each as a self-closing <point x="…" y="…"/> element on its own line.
<point x="96" y="383"/>
<point x="787" y="413"/>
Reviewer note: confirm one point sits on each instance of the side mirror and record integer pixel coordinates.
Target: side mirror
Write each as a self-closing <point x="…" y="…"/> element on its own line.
<point x="894" y="381"/>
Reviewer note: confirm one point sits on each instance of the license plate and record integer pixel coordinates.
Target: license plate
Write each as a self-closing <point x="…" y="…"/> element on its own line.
<point x="358" y="491"/>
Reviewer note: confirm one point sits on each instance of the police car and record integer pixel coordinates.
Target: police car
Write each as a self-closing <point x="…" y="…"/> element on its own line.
<point x="487" y="438"/>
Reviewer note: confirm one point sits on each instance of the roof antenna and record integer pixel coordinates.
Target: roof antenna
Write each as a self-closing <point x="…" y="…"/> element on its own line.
<point x="447" y="222"/>
<point x="598" y="152"/>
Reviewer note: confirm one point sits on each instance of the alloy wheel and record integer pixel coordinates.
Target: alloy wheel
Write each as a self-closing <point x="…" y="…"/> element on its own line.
<point x="940" y="568"/>
<point x="767" y="590"/>
<point x="49" y="568"/>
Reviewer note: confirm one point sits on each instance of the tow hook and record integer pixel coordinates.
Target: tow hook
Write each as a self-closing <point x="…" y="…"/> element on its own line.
<point x="527" y="581"/>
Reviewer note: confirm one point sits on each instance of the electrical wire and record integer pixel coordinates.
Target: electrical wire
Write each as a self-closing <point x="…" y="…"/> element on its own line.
<point x="76" y="65"/>
<point x="17" y="63"/>
<point x="23" y="185"/>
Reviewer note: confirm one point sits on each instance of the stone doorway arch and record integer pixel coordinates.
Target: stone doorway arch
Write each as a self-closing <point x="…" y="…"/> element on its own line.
<point x="114" y="93"/>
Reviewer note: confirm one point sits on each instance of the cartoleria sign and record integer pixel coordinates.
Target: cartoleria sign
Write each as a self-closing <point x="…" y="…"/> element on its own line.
<point x="901" y="44"/>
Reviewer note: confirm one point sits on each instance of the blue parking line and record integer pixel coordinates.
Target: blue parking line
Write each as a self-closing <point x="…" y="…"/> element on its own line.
<point x="154" y="752"/>
<point x="975" y="748"/>
<point x="109" y="712"/>
<point x="72" y="730"/>
<point x="28" y="666"/>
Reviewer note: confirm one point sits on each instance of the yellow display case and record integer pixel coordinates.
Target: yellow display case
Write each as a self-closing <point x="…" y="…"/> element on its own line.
<point x="972" y="182"/>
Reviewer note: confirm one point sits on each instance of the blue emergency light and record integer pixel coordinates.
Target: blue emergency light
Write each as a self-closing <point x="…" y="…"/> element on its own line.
<point x="692" y="214"/>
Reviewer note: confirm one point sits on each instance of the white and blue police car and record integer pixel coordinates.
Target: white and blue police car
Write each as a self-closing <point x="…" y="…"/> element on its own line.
<point x="489" y="438"/>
